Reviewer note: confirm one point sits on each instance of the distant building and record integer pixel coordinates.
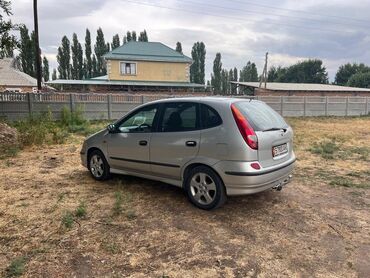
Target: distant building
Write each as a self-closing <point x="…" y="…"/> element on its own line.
<point x="139" y="66"/>
<point x="13" y="80"/>
<point x="301" y="89"/>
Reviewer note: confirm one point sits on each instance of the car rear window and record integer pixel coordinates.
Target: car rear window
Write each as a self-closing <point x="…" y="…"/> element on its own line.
<point x="260" y="115"/>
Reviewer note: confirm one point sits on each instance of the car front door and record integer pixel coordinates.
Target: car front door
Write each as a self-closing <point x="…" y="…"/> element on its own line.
<point x="128" y="146"/>
<point x="176" y="140"/>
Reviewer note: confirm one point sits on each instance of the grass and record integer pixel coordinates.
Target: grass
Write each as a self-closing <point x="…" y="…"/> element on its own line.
<point x="16" y="267"/>
<point x="67" y="220"/>
<point x="326" y="149"/>
<point x="80" y="211"/>
<point x="118" y="200"/>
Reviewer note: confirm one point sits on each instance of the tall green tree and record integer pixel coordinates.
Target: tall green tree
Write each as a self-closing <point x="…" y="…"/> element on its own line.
<point x="88" y="52"/>
<point x="94" y="63"/>
<point x="63" y="59"/>
<point x="54" y="75"/>
<point x="360" y="80"/>
<point x="128" y="37"/>
<point x="77" y="69"/>
<point x="26" y="52"/>
<point x="133" y="34"/>
<point x="143" y="37"/>
<point x="100" y="49"/>
<point x="216" y="75"/>
<point x="309" y="71"/>
<point x="248" y="74"/>
<point x="179" y="47"/>
<point x="197" y="69"/>
<point x="115" y="41"/>
<point x="346" y="71"/>
<point x="45" y="69"/>
<point x="8" y="41"/>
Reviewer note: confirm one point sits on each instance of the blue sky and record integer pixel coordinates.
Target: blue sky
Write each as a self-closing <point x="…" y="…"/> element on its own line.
<point x="336" y="31"/>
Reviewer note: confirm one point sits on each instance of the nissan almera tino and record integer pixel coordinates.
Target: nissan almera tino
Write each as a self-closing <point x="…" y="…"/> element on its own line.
<point x="211" y="147"/>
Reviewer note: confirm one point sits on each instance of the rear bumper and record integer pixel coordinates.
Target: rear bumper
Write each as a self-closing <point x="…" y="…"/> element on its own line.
<point x="238" y="182"/>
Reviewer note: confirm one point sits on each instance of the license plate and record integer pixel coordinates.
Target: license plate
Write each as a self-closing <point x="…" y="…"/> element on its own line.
<point x="279" y="150"/>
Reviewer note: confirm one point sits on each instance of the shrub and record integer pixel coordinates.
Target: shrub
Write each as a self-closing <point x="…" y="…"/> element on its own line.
<point x="16" y="267"/>
<point x="81" y="210"/>
<point x="67" y="220"/>
<point x="117" y="207"/>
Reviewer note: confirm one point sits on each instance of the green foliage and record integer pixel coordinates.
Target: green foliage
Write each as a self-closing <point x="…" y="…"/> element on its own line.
<point x="81" y="210"/>
<point x="248" y="74"/>
<point x="16" y="267"/>
<point x="361" y="80"/>
<point x="197" y="68"/>
<point x="100" y="49"/>
<point x="115" y="41"/>
<point x="326" y="149"/>
<point x="143" y="37"/>
<point x="88" y="61"/>
<point x="118" y="200"/>
<point x="216" y="76"/>
<point x="347" y="182"/>
<point x="54" y="75"/>
<point x="63" y="58"/>
<point x="8" y="41"/>
<point x="345" y="72"/>
<point x="27" y="52"/>
<point x="179" y="47"/>
<point x="309" y="71"/>
<point x="77" y="59"/>
<point x="67" y="220"/>
<point x="45" y="69"/>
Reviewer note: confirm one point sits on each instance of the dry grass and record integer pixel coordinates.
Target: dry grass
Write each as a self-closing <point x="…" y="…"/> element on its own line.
<point x="318" y="226"/>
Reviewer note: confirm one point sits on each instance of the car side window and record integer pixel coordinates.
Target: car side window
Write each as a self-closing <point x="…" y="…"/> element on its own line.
<point x="179" y="116"/>
<point x="139" y="122"/>
<point x="210" y="117"/>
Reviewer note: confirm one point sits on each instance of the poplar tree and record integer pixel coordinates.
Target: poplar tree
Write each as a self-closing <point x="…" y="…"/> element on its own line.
<point x="63" y="58"/>
<point x="26" y="52"/>
<point x="133" y="34"/>
<point x="45" y="69"/>
<point x="115" y="41"/>
<point x="143" y="37"/>
<point x="94" y="67"/>
<point x="77" y="58"/>
<point x="100" y="49"/>
<point x="216" y="75"/>
<point x="88" y="52"/>
<point x="54" y="75"/>
<point x="197" y="69"/>
<point x="179" y="47"/>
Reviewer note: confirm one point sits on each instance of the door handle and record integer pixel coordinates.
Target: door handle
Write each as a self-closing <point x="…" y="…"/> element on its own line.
<point x="191" y="143"/>
<point x="143" y="142"/>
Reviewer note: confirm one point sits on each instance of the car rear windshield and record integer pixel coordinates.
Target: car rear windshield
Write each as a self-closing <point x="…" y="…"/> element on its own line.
<point x="260" y="115"/>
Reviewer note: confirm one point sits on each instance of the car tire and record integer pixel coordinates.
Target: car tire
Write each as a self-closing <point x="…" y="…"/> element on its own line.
<point x="204" y="188"/>
<point x="98" y="166"/>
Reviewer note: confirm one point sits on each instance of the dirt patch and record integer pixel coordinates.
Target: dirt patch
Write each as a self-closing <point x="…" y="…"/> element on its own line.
<point x="311" y="228"/>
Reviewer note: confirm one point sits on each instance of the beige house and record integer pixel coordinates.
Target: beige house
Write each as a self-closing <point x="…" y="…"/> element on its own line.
<point x="140" y="66"/>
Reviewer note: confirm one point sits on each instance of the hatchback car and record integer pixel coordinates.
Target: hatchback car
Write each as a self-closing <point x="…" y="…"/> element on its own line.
<point x="211" y="147"/>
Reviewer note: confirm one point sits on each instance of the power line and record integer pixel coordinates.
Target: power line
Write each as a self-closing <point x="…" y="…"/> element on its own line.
<point x="270" y="13"/>
<point x="237" y="18"/>
<point x="300" y="11"/>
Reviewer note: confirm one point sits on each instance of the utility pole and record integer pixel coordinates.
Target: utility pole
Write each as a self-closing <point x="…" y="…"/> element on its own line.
<point x="37" y="46"/>
<point x="263" y="78"/>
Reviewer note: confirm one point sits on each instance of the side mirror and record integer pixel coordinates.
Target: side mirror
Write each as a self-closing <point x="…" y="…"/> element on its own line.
<point x="112" y="128"/>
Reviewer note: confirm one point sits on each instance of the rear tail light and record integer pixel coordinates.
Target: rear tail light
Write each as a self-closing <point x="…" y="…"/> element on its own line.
<point x="255" y="165"/>
<point x="245" y="128"/>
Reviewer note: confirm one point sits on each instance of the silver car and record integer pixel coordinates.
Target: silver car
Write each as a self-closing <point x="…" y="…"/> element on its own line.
<point x="211" y="147"/>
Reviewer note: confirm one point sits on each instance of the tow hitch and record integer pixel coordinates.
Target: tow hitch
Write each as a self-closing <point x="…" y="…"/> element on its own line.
<point x="279" y="186"/>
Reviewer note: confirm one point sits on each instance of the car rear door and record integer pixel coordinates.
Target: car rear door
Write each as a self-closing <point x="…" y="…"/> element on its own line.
<point x="275" y="137"/>
<point x="176" y="140"/>
<point x="128" y="148"/>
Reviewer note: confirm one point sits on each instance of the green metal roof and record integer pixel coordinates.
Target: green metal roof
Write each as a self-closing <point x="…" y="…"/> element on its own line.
<point x="147" y="51"/>
<point x="106" y="82"/>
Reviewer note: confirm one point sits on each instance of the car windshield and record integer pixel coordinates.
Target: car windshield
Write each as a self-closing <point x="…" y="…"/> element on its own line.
<point x="261" y="116"/>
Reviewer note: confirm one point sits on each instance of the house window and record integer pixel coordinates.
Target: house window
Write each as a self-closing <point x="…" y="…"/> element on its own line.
<point x="128" y="68"/>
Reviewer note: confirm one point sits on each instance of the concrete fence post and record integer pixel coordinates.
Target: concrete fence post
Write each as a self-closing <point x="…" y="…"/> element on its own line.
<point x="304" y="107"/>
<point x="367" y="106"/>
<point x="282" y="105"/>
<point x="142" y="99"/>
<point x="347" y="99"/>
<point x="71" y="102"/>
<point x="30" y="99"/>
<point x="326" y="106"/>
<point x="109" y="107"/>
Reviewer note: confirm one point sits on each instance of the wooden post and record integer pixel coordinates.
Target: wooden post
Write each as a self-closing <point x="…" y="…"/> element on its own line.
<point x="109" y="107"/>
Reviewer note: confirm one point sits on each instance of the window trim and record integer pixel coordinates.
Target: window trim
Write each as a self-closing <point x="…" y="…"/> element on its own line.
<point x="161" y="116"/>
<point x="138" y="110"/>
<point x="127" y="62"/>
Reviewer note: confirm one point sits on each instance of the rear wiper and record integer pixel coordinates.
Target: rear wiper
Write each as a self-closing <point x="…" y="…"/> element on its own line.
<point x="275" y="128"/>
